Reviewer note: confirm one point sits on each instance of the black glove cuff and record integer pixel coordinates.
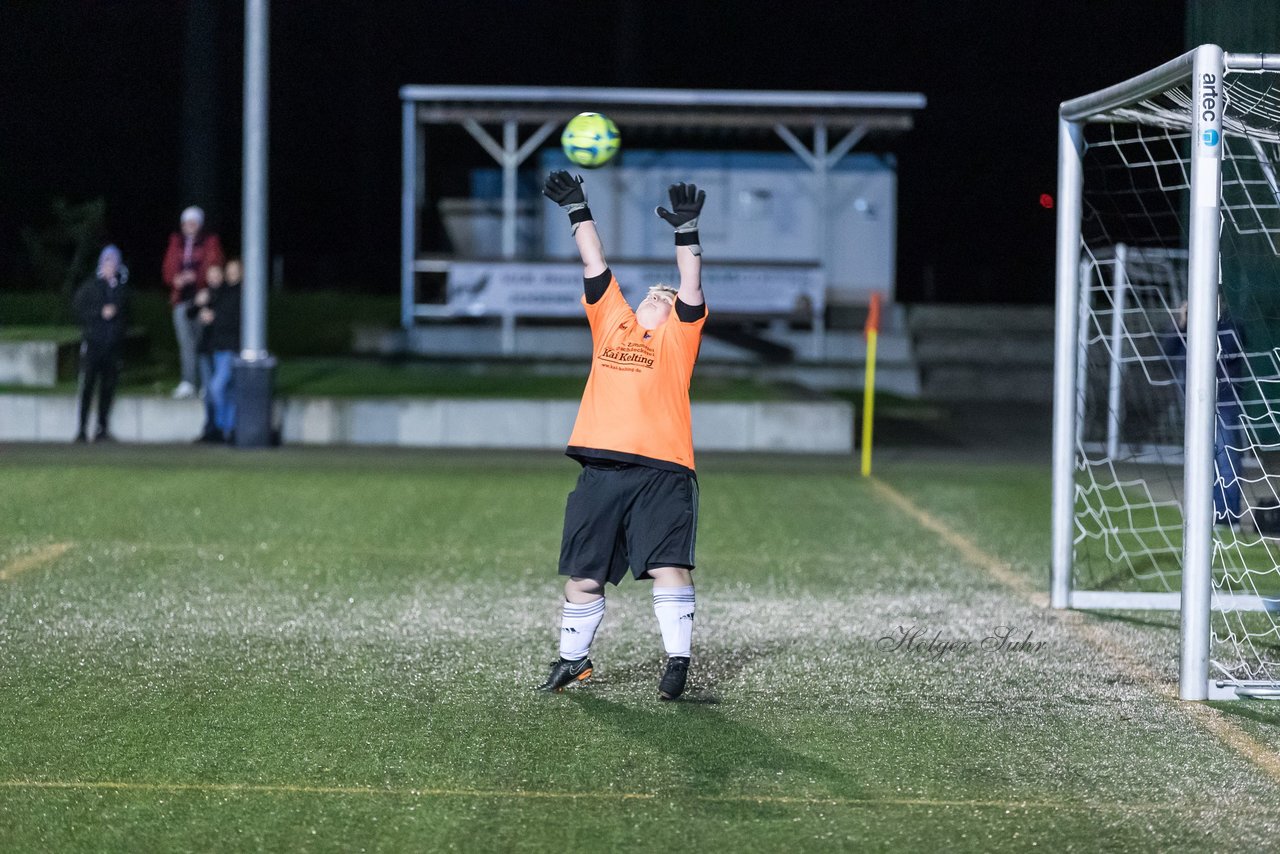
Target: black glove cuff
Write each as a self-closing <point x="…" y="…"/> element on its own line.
<point x="686" y="238"/>
<point x="580" y="215"/>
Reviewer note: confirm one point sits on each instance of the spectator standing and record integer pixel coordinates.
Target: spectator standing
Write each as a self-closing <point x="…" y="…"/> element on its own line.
<point x="101" y="305"/>
<point x="192" y="251"/>
<point x="221" y="319"/>
<point x="201" y="315"/>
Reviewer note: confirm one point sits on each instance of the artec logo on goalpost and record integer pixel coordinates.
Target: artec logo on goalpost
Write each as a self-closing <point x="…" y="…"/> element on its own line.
<point x="1209" y="107"/>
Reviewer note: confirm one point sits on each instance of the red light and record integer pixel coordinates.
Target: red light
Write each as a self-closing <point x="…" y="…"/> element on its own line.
<point x="1046" y="201"/>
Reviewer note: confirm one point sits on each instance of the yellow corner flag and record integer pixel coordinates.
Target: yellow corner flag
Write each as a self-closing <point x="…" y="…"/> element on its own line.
<point x="872" y="330"/>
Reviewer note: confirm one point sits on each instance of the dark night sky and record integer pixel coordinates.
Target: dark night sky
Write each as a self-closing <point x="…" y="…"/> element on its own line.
<point x="93" y="104"/>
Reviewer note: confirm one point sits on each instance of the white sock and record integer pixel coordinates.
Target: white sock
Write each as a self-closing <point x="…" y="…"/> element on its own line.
<point x="578" y="624"/>
<point x="673" y="606"/>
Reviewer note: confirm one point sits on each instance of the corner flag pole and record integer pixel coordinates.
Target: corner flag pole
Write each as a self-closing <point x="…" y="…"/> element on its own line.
<point x="872" y="330"/>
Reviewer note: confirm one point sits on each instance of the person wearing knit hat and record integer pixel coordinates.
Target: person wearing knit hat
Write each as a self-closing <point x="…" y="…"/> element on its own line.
<point x="109" y="253"/>
<point x="101" y="304"/>
<point x="192" y="251"/>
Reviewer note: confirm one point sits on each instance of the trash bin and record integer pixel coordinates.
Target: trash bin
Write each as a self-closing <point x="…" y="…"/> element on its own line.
<point x="254" y="390"/>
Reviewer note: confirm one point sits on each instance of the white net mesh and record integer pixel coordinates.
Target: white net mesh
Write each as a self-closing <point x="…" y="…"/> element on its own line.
<point x="1130" y="389"/>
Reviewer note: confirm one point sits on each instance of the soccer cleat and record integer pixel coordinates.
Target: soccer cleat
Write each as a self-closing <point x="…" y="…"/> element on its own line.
<point x="564" y="673"/>
<point x="671" y="685"/>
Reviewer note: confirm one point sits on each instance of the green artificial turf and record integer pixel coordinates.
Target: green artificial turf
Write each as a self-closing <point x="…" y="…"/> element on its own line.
<point x="332" y="650"/>
<point x="48" y="332"/>
<point x="376" y="378"/>
<point x="371" y="377"/>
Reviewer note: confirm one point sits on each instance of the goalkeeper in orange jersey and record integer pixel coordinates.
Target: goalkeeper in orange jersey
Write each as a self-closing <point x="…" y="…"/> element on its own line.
<point x="636" y="502"/>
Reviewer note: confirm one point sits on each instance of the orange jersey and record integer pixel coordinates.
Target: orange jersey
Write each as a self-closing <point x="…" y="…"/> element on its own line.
<point x="636" y="404"/>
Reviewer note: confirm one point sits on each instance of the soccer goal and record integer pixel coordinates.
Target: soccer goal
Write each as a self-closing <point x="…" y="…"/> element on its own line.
<point x="1166" y="450"/>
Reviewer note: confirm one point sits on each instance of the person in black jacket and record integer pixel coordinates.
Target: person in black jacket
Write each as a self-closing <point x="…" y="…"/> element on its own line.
<point x="220" y="319"/>
<point x="200" y="314"/>
<point x="101" y="305"/>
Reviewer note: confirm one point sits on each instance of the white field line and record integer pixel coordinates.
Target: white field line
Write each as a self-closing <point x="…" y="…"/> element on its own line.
<point x="504" y="794"/>
<point x="249" y="548"/>
<point x="32" y="560"/>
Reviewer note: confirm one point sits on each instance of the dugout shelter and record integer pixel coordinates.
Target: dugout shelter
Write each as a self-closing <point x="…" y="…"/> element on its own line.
<point x="842" y="201"/>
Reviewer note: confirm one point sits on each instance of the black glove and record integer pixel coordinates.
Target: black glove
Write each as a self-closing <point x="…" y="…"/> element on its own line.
<point x="687" y="201"/>
<point x="566" y="191"/>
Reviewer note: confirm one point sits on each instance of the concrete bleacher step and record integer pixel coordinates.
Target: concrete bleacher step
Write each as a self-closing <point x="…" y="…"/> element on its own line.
<point x="980" y="383"/>
<point x="980" y="318"/>
<point x="792" y="426"/>
<point x="767" y="351"/>
<point x="984" y="352"/>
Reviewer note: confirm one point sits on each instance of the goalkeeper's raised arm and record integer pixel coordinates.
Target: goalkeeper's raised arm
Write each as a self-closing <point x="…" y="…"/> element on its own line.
<point x="566" y="191"/>
<point x="686" y="206"/>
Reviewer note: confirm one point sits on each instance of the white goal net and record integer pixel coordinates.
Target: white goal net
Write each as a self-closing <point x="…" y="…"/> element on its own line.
<point x="1146" y="277"/>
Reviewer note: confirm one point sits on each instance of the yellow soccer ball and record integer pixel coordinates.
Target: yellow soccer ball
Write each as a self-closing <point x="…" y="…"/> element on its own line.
<point x="590" y="140"/>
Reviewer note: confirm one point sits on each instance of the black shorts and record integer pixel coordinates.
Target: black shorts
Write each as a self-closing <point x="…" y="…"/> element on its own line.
<point x="628" y="515"/>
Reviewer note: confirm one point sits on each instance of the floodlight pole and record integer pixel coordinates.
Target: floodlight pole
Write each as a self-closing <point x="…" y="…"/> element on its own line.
<point x="255" y="368"/>
<point x="254" y="237"/>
